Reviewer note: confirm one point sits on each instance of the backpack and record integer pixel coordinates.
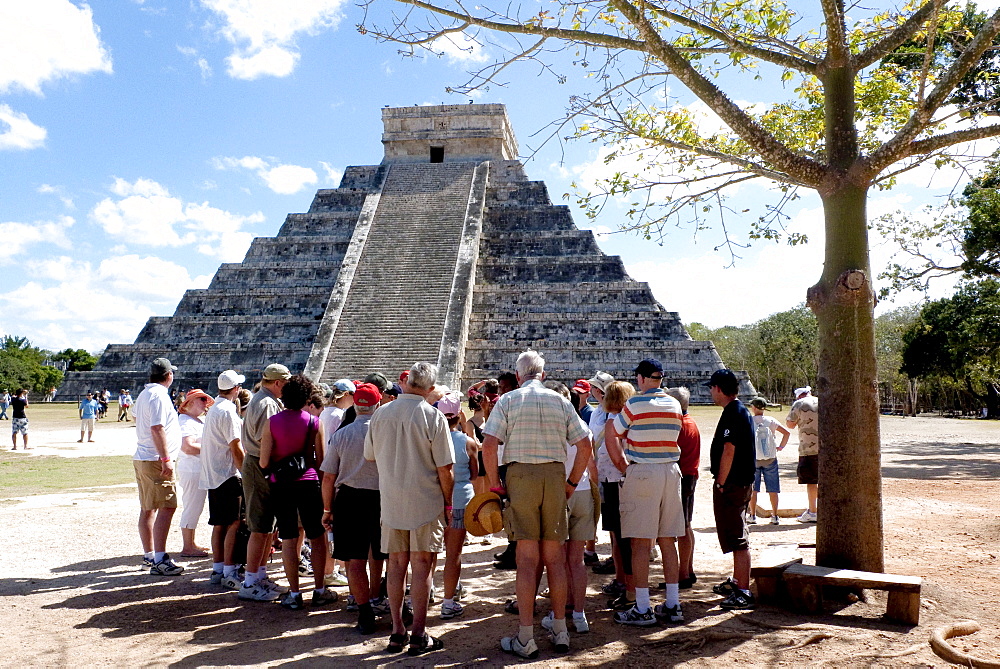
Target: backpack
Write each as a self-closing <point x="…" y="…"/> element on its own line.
<point x="764" y="442"/>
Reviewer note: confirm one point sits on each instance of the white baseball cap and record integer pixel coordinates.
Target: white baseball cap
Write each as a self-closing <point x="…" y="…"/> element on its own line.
<point x="229" y="379"/>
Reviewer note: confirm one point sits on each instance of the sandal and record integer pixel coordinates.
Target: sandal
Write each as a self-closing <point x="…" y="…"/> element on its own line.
<point x="424" y="644"/>
<point x="396" y="642"/>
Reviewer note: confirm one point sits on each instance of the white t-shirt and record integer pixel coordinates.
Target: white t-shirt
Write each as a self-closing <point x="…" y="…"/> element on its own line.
<point x="222" y="425"/>
<point x="190" y="427"/>
<point x="606" y="470"/>
<point x="331" y="418"/>
<point x="771" y="424"/>
<point x="153" y="407"/>
<point x="570" y="458"/>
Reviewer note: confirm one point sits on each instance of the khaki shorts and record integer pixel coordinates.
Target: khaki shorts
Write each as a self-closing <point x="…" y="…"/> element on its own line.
<point x="155" y="492"/>
<point x="428" y="538"/>
<point x="537" y="509"/>
<point x="582" y="524"/>
<point x="87" y="424"/>
<point x="650" y="501"/>
<point x="257" y="496"/>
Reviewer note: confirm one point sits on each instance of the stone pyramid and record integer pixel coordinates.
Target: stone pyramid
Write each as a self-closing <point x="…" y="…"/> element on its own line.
<point x="444" y="252"/>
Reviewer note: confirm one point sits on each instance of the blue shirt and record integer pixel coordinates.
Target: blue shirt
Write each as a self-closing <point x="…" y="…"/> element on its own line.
<point x="463" y="491"/>
<point x="89" y="409"/>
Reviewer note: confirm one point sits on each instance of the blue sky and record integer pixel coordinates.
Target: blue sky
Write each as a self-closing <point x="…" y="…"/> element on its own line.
<point x="143" y="142"/>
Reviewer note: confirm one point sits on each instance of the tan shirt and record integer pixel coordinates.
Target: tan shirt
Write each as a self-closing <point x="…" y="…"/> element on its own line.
<point x="805" y="415"/>
<point x="262" y="406"/>
<point x="408" y="439"/>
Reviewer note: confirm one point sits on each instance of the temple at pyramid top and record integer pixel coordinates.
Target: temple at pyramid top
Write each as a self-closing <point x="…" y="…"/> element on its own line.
<point x="444" y="252"/>
<point x="447" y="133"/>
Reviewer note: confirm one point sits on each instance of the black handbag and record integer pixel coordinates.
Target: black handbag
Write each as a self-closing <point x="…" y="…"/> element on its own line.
<point x="291" y="468"/>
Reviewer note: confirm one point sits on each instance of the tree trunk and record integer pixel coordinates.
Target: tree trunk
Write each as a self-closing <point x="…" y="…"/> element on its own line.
<point x="849" y="531"/>
<point x="992" y="401"/>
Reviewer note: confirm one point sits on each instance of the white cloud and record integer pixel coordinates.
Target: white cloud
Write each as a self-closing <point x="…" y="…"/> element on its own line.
<point x="121" y="294"/>
<point x="43" y="40"/>
<point x="460" y="48"/>
<point x="282" y="179"/>
<point x="333" y="175"/>
<point x="17" y="132"/>
<point x="264" y="32"/>
<point x="58" y="192"/>
<point x="18" y="236"/>
<point x="146" y="214"/>
<point x="202" y="63"/>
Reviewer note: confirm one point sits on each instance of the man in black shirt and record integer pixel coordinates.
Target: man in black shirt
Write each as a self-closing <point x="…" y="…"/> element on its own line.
<point x="733" y="462"/>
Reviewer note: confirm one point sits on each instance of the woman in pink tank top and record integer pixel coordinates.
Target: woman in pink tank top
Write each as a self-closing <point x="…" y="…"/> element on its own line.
<point x="292" y="432"/>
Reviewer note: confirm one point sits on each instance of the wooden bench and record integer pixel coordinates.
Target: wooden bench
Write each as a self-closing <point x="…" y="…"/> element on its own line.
<point x="767" y="570"/>
<point x="805" y="589"/>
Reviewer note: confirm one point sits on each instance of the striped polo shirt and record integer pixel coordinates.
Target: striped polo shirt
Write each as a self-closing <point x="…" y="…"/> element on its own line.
<point x="651" y="423"/>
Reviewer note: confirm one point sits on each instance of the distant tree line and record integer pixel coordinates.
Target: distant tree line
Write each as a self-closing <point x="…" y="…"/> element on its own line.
<point x="940" y="356"/>
<point x="25" y="366"/>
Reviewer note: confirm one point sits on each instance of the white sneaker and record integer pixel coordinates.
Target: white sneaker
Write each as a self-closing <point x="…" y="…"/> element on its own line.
<point x="560" y="641"/>
<point x="581" y="624"/>
<point x="215" y="578"/>
<point x="511" y="644"/>
<point x="751" y="519"/>
<point x="774" y="520"/>
<point x="449" y="611"/>
<point x="654" y="553"/>
<point x="807" y="517"/>
<point x="335" y="579"/>
<point x="258" y="592"/>
<point x="271" y="585"/>
<point x="231" y="582"/>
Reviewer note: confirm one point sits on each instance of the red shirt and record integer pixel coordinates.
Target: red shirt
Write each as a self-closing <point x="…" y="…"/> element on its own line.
<point x="689" y="441"/>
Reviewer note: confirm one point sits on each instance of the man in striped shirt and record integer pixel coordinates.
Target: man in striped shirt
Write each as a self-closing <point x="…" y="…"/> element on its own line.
<point x="646" y="452"/>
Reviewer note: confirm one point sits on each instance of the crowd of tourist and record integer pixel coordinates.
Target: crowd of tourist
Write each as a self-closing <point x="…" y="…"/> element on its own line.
<point x="378" y="478"/>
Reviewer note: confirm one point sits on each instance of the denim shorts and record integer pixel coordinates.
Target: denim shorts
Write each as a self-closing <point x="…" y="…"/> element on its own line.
<point x="770" y="475"/>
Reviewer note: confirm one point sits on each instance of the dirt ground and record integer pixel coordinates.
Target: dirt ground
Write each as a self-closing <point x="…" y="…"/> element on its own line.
<point x="72" y="591"/>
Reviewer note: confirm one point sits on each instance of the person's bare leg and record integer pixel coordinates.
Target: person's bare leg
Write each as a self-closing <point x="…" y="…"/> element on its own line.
<point x="358" y="583"/>
<point x="229" y="543"/>
<point x="146" y="530"/>
<point x="453" y="542"/>
<point x="318" y="557"/>
<point x="668" y="551"/>
<point x="394" y="586"/>
<point x="752" y="507"/>
<point x="526" y="583"/>
<point x="256" y="545"/>
<point x="555" y="566"/>
<point x="290" y="561"/>
<point x="576" y="573"/>
<point x="422" y="564"/>
<point x="190" y="545"/>
<point x="685" y="553"/>
<point x="774" y="503"/>
<point x="741" y="568"/>
<point x="219" y="536"/>
<point x="26" y="448"/>
<point x="13" y="439"/>
<point x="161" y="528"/>
<point x="640" y="561"/>
<point x="375" y="568"/>
<point x="811" y="491"/>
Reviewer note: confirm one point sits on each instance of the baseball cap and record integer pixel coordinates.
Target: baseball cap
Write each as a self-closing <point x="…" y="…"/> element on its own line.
<point x="396" y="390"/>
<point x="161" y="366"/>
<point x="802" y="391"/>
<point x="229" y="379"/>
<point x="379" y="380"/>
<point x="275" y="372"/>
<point x="648" y="367"/>
<point x="450" y="405"/>
<point x="581" y="385"/>
<point x="194" y="394"/>
<point x="326" y="390"/>
<point x="344" y="386"/>
<point x="601" y="380"/>
<point x="759" y="402"/>
<point x="725" y="380"/>
<point x="403" y="375"/>
<point x="367" y="395"/>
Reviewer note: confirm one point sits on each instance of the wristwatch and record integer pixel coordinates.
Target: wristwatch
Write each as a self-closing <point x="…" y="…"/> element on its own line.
<point x="571" y="484"/>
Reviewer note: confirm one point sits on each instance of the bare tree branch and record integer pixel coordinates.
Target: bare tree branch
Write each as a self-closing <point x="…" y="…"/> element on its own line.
<point x="932" y="144"/>
<point x="897" y="37"/>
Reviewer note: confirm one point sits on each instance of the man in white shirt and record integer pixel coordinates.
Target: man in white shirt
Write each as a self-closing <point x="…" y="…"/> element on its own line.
<point x="158" y="437"/>
<point x="221" y="460"/>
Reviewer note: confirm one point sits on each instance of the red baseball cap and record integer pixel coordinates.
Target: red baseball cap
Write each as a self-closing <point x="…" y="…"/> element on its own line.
<point x="367" y="395"/>
<point x="583" y="385"/>
<point x="404" y="375"/>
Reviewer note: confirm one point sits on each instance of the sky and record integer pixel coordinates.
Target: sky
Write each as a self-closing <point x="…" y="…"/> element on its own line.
<point x="144" y="142"/>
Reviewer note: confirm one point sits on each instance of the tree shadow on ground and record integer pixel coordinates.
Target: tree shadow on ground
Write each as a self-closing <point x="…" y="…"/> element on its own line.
<point x="938" y="460"/>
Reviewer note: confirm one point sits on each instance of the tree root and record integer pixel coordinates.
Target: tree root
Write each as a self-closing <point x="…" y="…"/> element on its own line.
<point x="945" y="650"/>
<point x="695" y="640"/>
<point x="743" y="617"/>
<point x="812" y="638"/>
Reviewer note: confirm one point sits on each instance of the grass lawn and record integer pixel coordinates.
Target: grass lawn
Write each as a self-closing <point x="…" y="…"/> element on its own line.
<point x="22" y="475"/>
<point x="65" y="414"/>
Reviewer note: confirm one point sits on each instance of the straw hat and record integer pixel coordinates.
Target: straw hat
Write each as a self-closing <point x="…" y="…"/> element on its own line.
<point x="483" y="514"/>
